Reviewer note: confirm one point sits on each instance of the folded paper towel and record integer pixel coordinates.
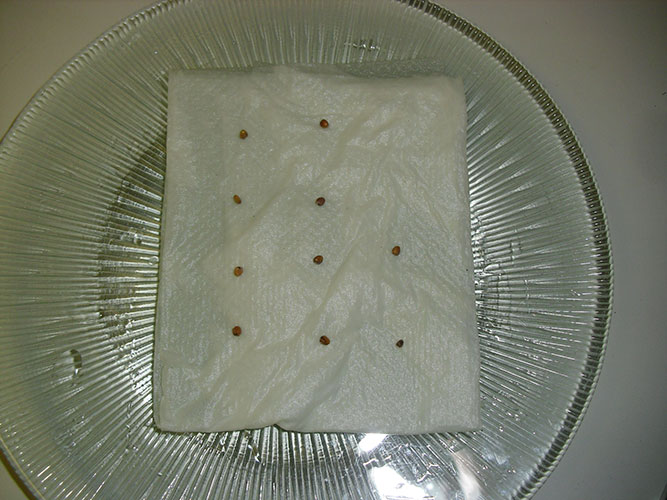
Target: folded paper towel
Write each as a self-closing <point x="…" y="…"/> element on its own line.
<point x="379" y="191"/>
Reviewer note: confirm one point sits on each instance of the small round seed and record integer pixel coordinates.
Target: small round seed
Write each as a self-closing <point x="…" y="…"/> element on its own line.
<point x="324" y="123"/>
<point x="396" y="250"/>
<point x="237" y="199"/>
<point x="318" y="259"/>
<point x="238" y="271"/>
<point x="325" y="340"/>
<point x="236" y="331"/>
<point x="243" y="134"/>
<point x="320" y="201"/>
<point x="399" y="343"/>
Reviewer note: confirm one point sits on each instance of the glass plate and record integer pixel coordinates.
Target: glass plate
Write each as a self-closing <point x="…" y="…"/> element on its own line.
<point x="81" y="174"/>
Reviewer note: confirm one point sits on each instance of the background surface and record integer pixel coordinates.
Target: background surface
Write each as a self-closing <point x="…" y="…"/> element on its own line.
<point x="605" y="65"/>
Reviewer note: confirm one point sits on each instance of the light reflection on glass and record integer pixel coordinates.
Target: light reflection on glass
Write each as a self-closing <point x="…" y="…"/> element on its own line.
<point x="467" y="476"/>
<point x="370" y="441"/>
<point x="390" y="485"/>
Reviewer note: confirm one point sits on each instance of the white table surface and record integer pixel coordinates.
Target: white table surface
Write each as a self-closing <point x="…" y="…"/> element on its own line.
<point x="605" y="65"/>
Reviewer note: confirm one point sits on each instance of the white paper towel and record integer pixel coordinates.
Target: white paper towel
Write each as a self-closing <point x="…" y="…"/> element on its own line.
<point x="391" y="167"/>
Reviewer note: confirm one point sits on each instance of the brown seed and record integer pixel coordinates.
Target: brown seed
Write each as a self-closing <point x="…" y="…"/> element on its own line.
<point x="324" y="123"/>
<point x="399" y="343"/>
<point x="396" y="250"/>
<point x="320" y="201"/>
<point x="318" y="259"/>
<point x="236" y="331"/>
<point x="243" y="134"/>
<point x="324" y="340"/>
<point x="237" y="199"/>
<point x="238" y="271"/>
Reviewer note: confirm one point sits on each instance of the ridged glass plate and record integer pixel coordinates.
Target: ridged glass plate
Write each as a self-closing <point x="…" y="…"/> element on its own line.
<point x="81" y="175"/>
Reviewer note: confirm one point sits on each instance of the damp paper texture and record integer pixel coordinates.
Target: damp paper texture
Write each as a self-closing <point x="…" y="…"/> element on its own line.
<point x="391" y="167"/>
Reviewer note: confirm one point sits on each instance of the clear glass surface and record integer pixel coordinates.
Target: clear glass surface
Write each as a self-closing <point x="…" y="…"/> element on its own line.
<point x="81" y="178"/>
